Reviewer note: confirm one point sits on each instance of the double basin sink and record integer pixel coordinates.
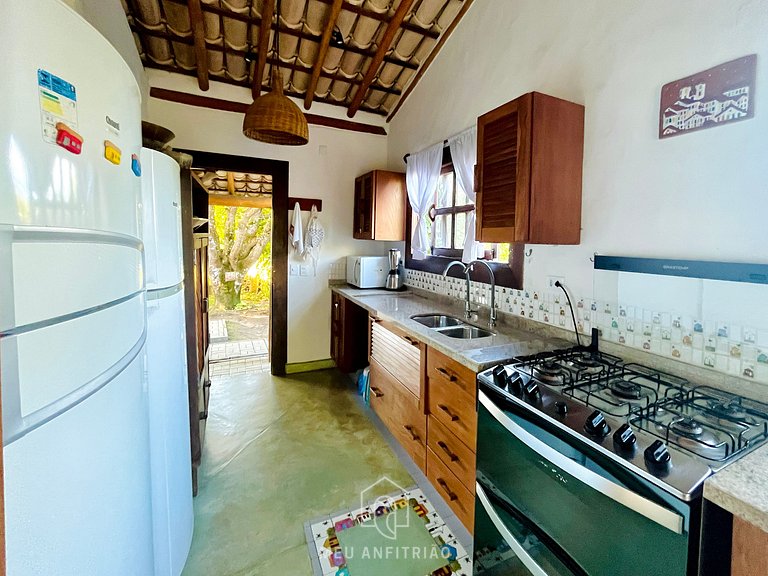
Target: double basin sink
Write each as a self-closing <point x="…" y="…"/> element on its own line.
<point x="451" y="326"/>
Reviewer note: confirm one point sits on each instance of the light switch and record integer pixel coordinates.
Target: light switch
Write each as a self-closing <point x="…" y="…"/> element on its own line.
<point x="294" y="270"/>
<point x="304" y="270"/>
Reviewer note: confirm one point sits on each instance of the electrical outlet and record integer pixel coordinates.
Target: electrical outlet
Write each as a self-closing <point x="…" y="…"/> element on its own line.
<point x="304" y="270"/>
<point x="293" y="270"/>
<point x="552" y="279"/>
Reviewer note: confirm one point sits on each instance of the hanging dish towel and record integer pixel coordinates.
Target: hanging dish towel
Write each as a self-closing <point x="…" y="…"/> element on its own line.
<point x="315" y="235"/>
<point x="297" y="231"/>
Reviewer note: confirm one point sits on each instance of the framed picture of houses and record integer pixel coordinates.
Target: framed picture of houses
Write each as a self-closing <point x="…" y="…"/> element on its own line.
<point x="720" y="95"/>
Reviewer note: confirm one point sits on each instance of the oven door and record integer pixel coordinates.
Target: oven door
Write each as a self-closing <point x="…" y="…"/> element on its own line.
<point x="561" y="509"/>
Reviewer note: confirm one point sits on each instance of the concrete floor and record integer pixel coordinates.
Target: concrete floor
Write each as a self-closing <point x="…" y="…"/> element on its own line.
<point x="279" y="452"/>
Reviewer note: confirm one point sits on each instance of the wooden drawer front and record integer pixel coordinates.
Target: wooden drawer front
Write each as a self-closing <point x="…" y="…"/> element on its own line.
<point x="455" y="410"/>
<point x="453" y="453"/>
<point x="442" y="370"/>
<point x="398" y="353"/>
<point x="461" y="501"/>
<point x="399" y="410"/>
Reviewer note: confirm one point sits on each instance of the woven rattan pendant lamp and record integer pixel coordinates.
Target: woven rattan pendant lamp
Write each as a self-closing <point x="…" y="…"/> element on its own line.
<point x="273" y="117"/>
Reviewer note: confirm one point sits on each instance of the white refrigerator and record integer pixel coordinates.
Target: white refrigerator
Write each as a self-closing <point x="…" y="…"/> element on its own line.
<point x="171" y="462"/>
<point x="72" y="301"/>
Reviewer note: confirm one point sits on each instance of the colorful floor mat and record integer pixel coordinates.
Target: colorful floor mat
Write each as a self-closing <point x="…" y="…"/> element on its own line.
<point x="399" y="534"/>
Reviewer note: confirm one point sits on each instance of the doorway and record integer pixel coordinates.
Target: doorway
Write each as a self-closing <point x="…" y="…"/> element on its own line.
<point x="248" y="253"/>
<point x="239" y="270"/>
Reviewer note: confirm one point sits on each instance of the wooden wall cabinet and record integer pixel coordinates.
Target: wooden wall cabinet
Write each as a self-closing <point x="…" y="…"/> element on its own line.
<point x="379" y="208"/>
<point x="529" y="171"/>
<point x="349" y="328"/>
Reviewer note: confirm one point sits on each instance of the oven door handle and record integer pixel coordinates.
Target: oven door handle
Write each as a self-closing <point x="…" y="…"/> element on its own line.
<point x="619" y="494"/>
<point x="515" y="546"/>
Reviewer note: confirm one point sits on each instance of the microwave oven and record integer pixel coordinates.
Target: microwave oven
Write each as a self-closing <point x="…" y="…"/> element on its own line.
<point x="367" y="271"/>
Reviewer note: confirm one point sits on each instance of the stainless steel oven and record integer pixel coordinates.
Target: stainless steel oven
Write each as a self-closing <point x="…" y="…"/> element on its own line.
<point x="549" y="503"/>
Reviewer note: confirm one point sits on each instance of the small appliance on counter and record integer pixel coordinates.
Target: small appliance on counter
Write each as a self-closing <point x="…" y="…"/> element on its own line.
<point x="396" y="275"/>
<point x="367" y="271"/>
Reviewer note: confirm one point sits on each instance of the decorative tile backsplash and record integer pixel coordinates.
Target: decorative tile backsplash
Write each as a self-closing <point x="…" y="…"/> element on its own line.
<point x="721" y="346"/>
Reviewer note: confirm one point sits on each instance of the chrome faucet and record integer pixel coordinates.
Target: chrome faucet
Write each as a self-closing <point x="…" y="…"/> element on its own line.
<point x="467" y="269"/>
<point x="492" y="319"/>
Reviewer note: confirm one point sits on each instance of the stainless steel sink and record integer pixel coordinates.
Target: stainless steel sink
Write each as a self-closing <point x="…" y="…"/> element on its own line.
<point x="466" y="332"/>
<point x="436" y="320"/>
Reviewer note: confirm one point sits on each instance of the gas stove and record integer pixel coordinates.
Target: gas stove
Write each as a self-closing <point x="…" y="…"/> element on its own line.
<point x="664" y="428"/>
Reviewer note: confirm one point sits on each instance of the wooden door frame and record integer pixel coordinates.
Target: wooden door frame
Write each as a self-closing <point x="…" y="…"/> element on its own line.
<point x="278" y="169"/>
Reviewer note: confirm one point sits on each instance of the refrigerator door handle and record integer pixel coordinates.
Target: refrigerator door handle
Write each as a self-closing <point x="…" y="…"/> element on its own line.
<point x="16" y="426"/>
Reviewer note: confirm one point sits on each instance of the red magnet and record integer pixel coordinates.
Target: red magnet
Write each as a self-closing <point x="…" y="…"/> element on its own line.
<point x="68" y="138"/>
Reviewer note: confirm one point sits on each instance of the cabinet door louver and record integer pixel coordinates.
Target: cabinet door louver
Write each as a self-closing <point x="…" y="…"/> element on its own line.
<point x="503" y="158"/>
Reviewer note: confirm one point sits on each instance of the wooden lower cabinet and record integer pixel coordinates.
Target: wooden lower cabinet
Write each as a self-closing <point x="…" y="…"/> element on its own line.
<point x="349" y="325"/>
<point x="461" y="500"/>
<point x="428" y="401"/>
<point x="399" y="410"/>
<point x="749" y="555"/>
<point x="453" y="452"/>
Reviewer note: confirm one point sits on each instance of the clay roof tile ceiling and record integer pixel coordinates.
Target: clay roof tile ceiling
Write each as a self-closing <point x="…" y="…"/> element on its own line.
<point x="376" y="47"/>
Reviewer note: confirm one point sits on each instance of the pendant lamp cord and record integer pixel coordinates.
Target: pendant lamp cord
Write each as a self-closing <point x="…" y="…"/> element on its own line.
<point x="276" y="43"/>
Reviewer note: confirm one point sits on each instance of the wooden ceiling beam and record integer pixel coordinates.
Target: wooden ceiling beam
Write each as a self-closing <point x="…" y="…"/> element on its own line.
<point x="241" y="107"/>
<point x="333" y="14"/>
<point x="384" y="46"/>
<point x="297" y="66"/>
<point x="240" y="201"/>
<point x="428" y="60"/>
<point x="263" y="47"/>
<point x="247" y="84"/>
<point x="300" y="33"/>
<point x="382" y="17"/>
<point x="198" y="32"/>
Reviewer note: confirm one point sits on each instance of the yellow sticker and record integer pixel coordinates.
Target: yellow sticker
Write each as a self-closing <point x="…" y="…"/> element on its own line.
<point x="111" y="152"/>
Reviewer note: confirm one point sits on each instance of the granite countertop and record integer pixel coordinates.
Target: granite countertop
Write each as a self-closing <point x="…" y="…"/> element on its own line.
<point x="476" y="354"/>
<point x="741" y="488"/>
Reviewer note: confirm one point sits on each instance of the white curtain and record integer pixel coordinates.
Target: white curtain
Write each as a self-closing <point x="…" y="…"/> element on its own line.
<point x="464" y="154"/>
<point x="421" y="176"/>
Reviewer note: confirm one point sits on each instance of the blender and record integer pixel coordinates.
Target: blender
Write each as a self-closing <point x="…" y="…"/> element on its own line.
<point x="396" y="276"/>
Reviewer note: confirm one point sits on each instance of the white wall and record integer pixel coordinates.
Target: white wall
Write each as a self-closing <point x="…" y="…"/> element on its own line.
<point x="700" y="196"/>
<point x="108" y="17"/>
<point x="325" y="168"/>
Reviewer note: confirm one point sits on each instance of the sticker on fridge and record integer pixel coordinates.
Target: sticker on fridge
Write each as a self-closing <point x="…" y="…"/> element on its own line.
<point x="58" y="105"/>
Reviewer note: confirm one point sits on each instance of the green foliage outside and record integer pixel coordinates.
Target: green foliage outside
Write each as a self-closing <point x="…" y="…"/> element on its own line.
<point x="240" y="253"/>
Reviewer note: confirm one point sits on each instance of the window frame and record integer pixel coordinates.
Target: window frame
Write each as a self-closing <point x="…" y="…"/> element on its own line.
<point x="507" y="274"/>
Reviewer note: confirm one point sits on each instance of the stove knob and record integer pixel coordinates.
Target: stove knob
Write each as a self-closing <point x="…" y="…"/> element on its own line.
<point x="500" y="376"/>
<point x="596" y="425"/>
<point x="515" y="384"/>
<point x="625" y="438"/>
<point x="561" y="408"/>
<point x="657" y="457"/>
<point x="531" y="390"/>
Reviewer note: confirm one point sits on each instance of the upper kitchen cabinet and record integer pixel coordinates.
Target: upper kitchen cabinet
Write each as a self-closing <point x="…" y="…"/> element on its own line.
<point x="380" y="206"/>
<point x="529" y="166"/>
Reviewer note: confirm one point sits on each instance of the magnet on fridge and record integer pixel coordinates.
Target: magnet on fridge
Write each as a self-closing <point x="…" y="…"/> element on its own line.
<point x="111" y="152"/>
<point x="135" y="164"/>
<point x="68" y="138"/>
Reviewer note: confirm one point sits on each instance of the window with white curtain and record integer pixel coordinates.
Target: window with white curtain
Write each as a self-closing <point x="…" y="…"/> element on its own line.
<point x="447" y="222"/>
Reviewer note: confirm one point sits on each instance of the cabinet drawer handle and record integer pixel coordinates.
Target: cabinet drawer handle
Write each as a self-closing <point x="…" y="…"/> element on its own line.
<point x="376" y="392"/>
<point x="448" y="491"/>
<point x="444" y="372"/>
<point x="414" y="436"/>
<point x="447" y="450"/>
<point x="411" y="341"/>
<point x="447" y="410"/>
